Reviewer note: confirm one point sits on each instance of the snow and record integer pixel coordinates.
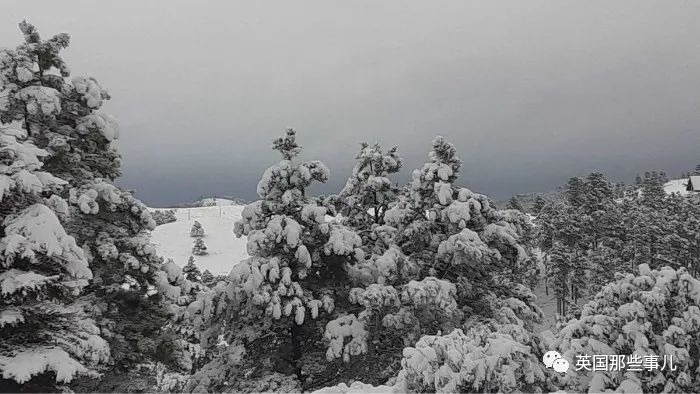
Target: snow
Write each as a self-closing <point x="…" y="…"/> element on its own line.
<point x="336" y="332"/>
<point x="37" y="230"/>
<point x="172" y="240"/>
<point x="90" y="90"/>
<point x="16" y="280"/>
<point x="101" y="122"/>
<point x="676" y="186"/>
<point x="9" y="317"/>
<point x="25" y="364"/>
<point x="41" y="99"/>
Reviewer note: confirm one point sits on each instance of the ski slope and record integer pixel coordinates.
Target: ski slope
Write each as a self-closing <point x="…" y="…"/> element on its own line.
<point x="676" y="186"/>
<point x="172" y="240"/>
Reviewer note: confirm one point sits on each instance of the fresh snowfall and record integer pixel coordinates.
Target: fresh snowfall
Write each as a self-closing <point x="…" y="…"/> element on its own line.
<point x="427" y="286"/>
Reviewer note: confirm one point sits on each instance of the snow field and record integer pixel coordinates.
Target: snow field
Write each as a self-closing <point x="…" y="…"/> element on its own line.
<point x="172" y="240"/>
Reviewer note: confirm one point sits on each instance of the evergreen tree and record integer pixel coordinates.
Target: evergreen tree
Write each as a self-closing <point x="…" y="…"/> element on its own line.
<point x="196" y="231"/>
<point x="540" y="202"/>
<point x="208" y="278"/>
<point x="652" y="314"/>
<point x="429" y="365"/>
<point x="63" y="117"/>
<point x="191" y="271"/>
<point x="46" y="338"/>
<point x="595" y="214"/>
<point x="369" y="191"/>
<point x="287" y="291"/>
<point x="199" y="248"/>
<point x="455" y="256"/>
<point x="164" y="216"/>
<point x="514" y="203"/>
<point x="575" y="191"/>
<point x="652" y="191"/>
<point x="620" y="190"/>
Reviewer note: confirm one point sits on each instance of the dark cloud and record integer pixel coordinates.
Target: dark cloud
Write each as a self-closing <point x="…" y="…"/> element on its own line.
<point x="530" y="92"/>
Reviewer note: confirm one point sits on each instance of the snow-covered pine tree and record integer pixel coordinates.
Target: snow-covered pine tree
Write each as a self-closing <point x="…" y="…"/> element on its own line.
<point x="514" y="203"/>
<point x="454" y="259"/>
<point x="191" y="271"/>
<point x="588" y="219"/>
<point x="597" y="209"/>
<point x="192" y="307"/>
<point x="197" y="231"/>
<point x="497" y="354"/>
<point x="369" y="191"/>
<point x="621" y="190"/>
<point x="562" y="262"/>
<point x="453" y="233"/>
<point x="164" y="216"/>
<point x="199" y="248"/>
<point x="284" y="294"/>
<point x="653" y="315"/>
<point x="63" y="117"/>
<point x="652" y="191"/>
<point x="540" y="202"/>
<point x="46" y="338"/>
<point x="561" y="238"/>
<point x="208" y="278"/>
<point x="575" y="190"/>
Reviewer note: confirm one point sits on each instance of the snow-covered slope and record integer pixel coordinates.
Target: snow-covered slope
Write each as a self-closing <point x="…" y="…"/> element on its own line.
<point x="172" y="240"/>
<point x="676" y="186"/>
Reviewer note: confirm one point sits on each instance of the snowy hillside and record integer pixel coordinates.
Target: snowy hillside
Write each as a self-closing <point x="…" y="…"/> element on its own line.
<point x="676" y="186"/>
<point x="172" y="240"/>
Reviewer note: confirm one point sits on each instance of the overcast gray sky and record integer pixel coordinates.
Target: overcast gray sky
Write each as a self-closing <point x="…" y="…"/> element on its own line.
<point x="531" y="93"/>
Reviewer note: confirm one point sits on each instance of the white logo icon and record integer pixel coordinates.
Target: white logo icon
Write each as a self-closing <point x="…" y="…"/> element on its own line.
<point x="553" y="359"/>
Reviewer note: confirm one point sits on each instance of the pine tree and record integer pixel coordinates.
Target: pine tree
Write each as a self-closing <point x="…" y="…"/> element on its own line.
<point x="287" y="291"/>
<point x="514" y="203"/>
<point x="191" y="271"/>
<point x="574" y="191"/>
<point x="598" y="200"/>
<point x="196" y="231"/>
<point x="46" y="338"/>
<point x="369" y="191"/>
<point x="540" y="202"/>
<point x="199" y="248"/>
<point x="653" y="193"/>
<point x="561" y="235"/>
<point x="455" y="256"/>
<point x="208" y="278"/>
<point x="429" y="365"/>
<point x="455" y="234"/>
<point x="164" y="216"/>
<point x="63" y="117"/>
<point x="653" y="313"/>
<point x="620" y="190"/>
